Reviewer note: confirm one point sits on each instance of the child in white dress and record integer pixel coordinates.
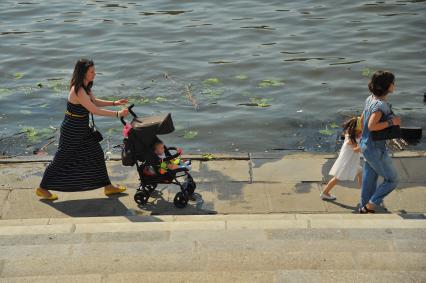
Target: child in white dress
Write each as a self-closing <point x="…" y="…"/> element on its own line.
<point x="347" y="165"/>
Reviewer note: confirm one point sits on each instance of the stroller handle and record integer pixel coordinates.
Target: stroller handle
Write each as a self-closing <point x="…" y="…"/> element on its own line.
<point x="131" y="112"/>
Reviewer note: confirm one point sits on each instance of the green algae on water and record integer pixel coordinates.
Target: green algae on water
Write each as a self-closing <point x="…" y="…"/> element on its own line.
<point x="190" y="134"/>
<point x="241" y="77"/>
<point x="211" y="81"/>
<point x="326" y="131"/>
<point x="36" y="135"/>
<point x="334" y="125"/>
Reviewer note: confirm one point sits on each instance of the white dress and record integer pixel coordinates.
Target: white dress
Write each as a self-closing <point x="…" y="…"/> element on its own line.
<point x="347" y="165"/>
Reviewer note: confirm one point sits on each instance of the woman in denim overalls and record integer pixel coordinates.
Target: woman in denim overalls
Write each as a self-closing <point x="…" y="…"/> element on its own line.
<point x="377" y="116"/>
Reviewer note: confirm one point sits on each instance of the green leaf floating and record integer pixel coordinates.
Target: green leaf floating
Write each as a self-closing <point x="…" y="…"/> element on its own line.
<point x="366" y="72"/>
<point x="18" y="76"/>
<point x="211" y="81"/>
<point x="190" y="134"/>
<point x="270" y="83"/>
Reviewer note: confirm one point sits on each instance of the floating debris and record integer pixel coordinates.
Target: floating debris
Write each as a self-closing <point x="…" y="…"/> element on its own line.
<point x="190" y="97"/>
<point x="270" y="83"/>
<point x="220" y="62"/>
<point x="347" y="62"/>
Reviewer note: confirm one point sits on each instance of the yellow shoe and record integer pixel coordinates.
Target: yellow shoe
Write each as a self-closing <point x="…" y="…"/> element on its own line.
<point x="43" y="196"/>
<point x="111" y="191"/>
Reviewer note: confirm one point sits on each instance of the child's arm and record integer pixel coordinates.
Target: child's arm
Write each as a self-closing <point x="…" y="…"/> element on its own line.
<point x="355" y="147"/>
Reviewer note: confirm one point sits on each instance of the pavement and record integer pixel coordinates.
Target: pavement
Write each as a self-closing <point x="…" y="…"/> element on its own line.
<point x="257" y="218"/>
<point x="244" y="183"/>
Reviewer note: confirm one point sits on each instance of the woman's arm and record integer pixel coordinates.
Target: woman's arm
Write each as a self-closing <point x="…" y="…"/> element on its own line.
<point x="375" y="125"/>
<point x="101" y="102"/>
<point x="84" y="100"/>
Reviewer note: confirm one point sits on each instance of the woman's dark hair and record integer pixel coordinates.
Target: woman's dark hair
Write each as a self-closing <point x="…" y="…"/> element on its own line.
<point x="79" y="73"/>
<point x="350" y="127"/>
<point x="380" y="83"/>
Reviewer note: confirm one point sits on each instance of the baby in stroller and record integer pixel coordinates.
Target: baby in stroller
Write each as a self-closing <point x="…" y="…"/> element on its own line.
<point x="154" y="161"/>
<point x="173" y="164"/>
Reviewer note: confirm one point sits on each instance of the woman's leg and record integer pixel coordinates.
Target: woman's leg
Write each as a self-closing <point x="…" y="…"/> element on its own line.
<point x="390" y="179"/>
<point x="369" y="183"/>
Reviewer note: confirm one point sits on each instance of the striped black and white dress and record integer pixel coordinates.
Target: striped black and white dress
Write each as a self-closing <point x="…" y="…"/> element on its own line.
<point x="79" y="163"/>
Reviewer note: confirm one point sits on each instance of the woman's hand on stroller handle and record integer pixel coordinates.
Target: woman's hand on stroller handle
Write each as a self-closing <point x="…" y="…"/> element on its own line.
<point x="123" y="112"/>
<point x="127" y="111"/>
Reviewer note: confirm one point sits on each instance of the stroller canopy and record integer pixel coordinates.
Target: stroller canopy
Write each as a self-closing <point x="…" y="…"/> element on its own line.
<point x="146" y="129"/>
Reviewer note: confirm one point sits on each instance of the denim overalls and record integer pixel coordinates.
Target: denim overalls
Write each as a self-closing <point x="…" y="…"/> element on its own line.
<point x="377" y="160"/>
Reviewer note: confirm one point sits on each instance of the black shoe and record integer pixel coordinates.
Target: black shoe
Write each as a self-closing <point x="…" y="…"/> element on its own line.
<point x="364" y="210"/>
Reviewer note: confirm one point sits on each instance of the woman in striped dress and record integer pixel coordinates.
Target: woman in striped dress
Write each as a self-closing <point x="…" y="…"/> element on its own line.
<point x="79" y="163"/>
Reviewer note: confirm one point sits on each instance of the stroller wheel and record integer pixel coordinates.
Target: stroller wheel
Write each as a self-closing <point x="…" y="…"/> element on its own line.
<point x="141" y="197"/>
<point x="180" y="200"/>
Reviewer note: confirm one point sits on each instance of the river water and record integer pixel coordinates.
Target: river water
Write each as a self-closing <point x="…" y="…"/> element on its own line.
<point x="237" y="76"/>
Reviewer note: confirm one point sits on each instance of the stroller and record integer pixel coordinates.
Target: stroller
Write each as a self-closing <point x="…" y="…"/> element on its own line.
<point x="137" y="149"/>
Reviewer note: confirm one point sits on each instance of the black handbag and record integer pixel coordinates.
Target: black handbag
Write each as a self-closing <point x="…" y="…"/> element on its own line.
<point x="392" y="132"/>
<point x="389" y="133"/>
<point x="127" y="158"/>
<point x="94" y="133"/>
